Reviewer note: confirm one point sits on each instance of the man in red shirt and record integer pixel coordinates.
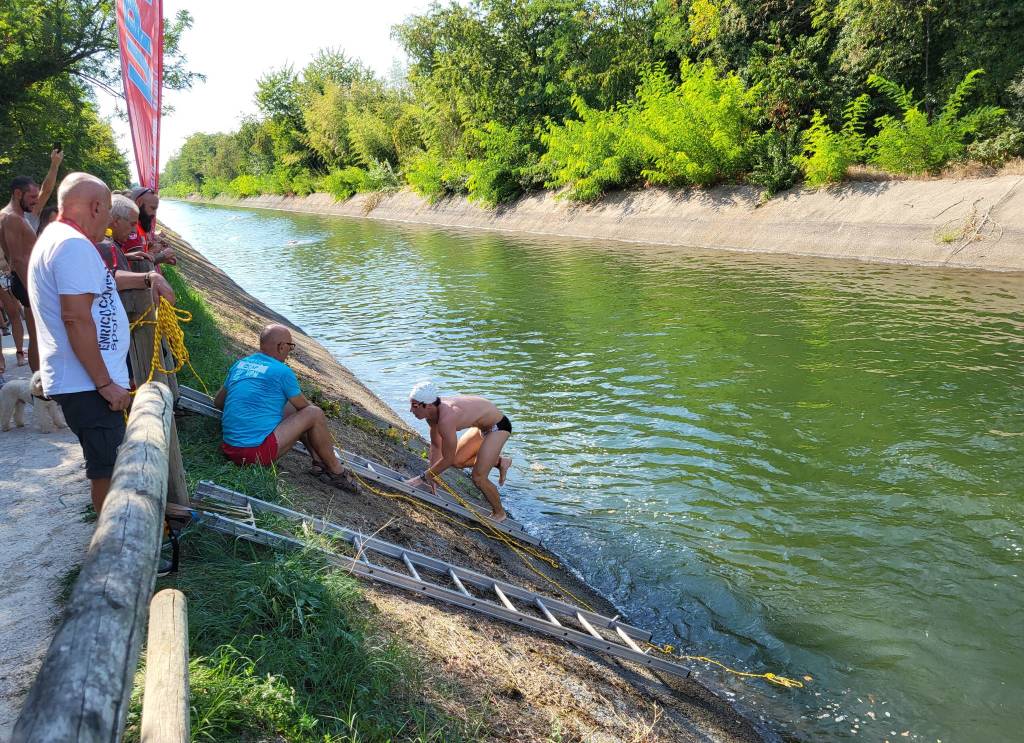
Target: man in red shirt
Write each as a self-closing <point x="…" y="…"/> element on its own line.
<point x="144" y="237"/>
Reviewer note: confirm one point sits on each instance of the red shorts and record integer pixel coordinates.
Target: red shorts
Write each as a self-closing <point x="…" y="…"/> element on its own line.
<point x="263" y="454"/>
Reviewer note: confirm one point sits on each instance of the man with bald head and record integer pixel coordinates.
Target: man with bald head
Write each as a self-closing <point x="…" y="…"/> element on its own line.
<point x="265" y="412"/>
<point x="81" y="326"/>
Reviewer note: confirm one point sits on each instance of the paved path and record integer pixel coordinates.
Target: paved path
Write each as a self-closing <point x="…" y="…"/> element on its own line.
<point x="43" y="494"/>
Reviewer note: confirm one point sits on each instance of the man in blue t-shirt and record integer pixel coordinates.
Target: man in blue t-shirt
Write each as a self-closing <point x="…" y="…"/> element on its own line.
<point x="265" y="412"/>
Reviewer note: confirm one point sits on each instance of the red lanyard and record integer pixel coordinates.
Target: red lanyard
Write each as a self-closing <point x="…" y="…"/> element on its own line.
<point x="74" y="225"/>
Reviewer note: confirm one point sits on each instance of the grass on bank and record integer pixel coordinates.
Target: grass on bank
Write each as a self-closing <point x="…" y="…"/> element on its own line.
<point x="281" y="646"/>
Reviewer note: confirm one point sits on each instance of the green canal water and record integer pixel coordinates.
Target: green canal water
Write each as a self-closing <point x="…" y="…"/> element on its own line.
<point x="809" y="467"/>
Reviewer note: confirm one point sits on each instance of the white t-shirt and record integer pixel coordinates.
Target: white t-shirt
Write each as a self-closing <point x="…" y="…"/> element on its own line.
<point x="64" y="262"/>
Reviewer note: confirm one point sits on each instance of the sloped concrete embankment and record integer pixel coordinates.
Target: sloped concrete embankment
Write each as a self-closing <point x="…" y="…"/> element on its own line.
<point x="973" y="223"/>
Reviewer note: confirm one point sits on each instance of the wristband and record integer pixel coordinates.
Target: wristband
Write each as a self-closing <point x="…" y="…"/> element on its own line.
<point x="149" y="280"/>
<point x="102" y="386"/>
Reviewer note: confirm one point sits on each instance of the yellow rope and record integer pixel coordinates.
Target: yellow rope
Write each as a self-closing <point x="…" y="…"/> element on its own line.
<point x="771" y="677"/>
<point x="168" y="319"/>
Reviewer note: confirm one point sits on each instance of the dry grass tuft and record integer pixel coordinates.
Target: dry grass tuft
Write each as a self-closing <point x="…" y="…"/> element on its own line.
<point x="1013" y="167"/>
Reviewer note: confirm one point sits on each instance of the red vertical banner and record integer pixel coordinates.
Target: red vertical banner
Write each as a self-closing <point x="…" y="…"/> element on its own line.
<point x="140" y="34"/>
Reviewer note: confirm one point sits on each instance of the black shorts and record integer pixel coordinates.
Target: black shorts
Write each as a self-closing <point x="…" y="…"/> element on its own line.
<point x="19" y="291"/>
<point x="99" y="429"/>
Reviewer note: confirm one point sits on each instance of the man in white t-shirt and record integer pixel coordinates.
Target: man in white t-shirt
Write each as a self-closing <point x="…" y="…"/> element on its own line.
<point x="82" y="328"/>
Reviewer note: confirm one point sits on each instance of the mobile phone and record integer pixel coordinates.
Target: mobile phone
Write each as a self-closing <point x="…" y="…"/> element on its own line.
<point x="57" y="146"/>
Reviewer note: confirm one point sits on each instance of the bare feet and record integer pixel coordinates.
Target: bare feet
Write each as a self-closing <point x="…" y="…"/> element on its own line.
<point x="22" y="358"/>
<point x="503" y="464"/>
<point x="498" y="517"/>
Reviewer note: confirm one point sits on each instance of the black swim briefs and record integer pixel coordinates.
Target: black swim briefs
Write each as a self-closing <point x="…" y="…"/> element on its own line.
<point x="19" y="290"/>
<point x="503" y="425"/>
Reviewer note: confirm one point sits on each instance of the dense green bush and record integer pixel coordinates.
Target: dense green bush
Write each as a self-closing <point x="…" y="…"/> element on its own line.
<point x="827" y="153"/>
<point x="996" y="150"/>
<point x="588" y="155"/>
<point x="434" y="177"/>
<point x="506" y="165"/>
<point x="345" y="183"/>
<point x="303" y="183"/>
<point x="698" y="132"/>
<point x="244" y="186"/>
<point x="773" y="163"/>
<point x="913" y="143"/>
<point x="380" y="176"/>
<point x="213" y="187"/>
<point x="179" y="190"/>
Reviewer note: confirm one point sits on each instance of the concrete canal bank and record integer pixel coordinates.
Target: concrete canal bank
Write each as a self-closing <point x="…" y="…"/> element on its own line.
<point x="975" y="223"/>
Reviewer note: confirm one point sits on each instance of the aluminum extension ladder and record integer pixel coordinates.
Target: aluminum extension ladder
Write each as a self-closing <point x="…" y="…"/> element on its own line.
<point x="196" y="402"/>
<point x="456" y="586"/>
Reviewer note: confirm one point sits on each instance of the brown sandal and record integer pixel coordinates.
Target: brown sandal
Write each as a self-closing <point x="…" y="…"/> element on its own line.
<point x="344" y="480"/>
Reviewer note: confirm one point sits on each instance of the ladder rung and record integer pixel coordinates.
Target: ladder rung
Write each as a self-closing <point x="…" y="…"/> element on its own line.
<point x="628" y="640"/>
<point x="458" y="583"/>
<point x="410" y="567"/>
<point x="503" y="598"/>
<point x="547" y="614"/>
<point x="588" y="626"/>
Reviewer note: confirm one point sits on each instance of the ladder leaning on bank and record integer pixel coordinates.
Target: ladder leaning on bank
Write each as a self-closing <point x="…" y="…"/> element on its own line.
<point x="233" y="513"/>
<point x="196" y="402"/>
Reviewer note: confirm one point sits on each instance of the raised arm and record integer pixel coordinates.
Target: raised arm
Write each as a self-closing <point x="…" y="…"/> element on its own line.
<point x="46" y="189"/>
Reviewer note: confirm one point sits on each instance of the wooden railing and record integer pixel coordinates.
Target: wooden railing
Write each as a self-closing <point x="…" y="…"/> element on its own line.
<point x="138" y="304"/>
<point x="83" y="688"/>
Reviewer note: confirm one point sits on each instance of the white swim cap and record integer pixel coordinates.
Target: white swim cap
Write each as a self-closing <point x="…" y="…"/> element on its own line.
<point x="424" y="392"/>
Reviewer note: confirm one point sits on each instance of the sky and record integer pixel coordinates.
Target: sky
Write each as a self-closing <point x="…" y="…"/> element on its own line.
<point x="234" y="42"/>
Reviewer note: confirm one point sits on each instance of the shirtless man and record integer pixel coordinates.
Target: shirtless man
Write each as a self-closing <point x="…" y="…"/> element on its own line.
<point x="16" y="240"/>
<point x="487" y="430"/>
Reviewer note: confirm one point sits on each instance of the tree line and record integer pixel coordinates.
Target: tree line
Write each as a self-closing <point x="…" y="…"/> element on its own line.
<point x="506" y="96"/>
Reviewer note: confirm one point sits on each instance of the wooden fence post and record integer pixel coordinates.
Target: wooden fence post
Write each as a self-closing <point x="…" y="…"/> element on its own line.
<point x="137" y="303"/>
<point x="165" y="701"/>
<point x="83" y="688"/>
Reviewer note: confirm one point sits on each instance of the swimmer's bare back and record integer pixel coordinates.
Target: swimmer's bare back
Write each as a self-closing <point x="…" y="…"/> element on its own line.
<point x="469" y="411"/>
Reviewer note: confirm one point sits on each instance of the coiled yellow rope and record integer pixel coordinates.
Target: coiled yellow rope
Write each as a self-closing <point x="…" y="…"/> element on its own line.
<point x="168" y="319"/>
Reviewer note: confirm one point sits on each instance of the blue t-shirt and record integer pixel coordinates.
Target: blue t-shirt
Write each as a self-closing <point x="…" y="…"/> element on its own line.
<point x="257" y="388"/>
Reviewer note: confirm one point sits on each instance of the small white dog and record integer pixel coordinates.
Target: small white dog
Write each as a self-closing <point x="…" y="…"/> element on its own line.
<point x="18" y="393"/>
